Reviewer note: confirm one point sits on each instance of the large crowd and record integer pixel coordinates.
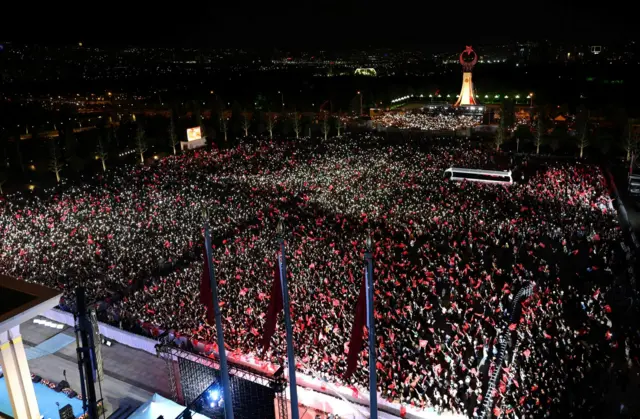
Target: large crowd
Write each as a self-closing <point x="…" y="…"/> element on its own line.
<point x="426" y="121"/>
<point x="449" y="258"/>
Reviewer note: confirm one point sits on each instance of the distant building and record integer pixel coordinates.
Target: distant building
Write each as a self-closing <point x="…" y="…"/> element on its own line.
<point x="369" y="72"/>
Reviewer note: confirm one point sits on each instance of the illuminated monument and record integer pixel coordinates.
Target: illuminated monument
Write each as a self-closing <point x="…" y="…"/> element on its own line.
<point x="467" y="98"/>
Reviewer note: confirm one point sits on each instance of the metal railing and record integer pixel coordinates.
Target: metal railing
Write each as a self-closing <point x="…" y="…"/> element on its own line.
<point x="525" y="292"/>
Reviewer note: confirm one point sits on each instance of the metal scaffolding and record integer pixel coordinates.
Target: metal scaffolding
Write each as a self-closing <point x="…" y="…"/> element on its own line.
<point x="191" y="376"/>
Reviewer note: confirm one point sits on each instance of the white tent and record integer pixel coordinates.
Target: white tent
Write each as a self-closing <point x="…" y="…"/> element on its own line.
<point x="159" y="406"/>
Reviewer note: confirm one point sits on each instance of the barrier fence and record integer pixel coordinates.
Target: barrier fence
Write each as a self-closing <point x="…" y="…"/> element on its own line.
<point x="489" y="398"/>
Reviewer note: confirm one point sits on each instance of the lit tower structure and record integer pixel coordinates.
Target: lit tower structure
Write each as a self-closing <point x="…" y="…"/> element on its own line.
<point x="467" y="97"/>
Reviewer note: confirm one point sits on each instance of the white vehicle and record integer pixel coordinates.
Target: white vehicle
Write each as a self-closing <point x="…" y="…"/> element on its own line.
<point x="479" y="175"/>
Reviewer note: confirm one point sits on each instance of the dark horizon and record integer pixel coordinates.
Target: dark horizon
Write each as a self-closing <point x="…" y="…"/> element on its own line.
<point x="312" y="26"/>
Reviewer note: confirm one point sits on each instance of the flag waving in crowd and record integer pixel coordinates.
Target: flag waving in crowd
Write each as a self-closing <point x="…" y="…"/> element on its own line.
<point x="205" y="291"/>
<point x="275" y="307"/>
<point x="355" y="343"/>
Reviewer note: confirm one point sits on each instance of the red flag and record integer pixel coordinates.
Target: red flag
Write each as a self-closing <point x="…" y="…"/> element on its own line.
<point x="275" y="307"/>
<point x="206" y="295"/>
<point x="355" y="343"/>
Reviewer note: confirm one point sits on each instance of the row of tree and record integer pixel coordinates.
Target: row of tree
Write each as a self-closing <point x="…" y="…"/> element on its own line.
<point x="586" y="133"/>
<point x="131" y="136"/>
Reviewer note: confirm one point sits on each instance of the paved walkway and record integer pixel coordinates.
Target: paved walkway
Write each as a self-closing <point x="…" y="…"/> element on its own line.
<point x="50" y="346"/>
<point x="131" y="376"/>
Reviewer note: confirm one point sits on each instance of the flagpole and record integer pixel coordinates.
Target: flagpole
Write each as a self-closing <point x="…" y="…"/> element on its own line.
<point x="373" y="387"/>
<point x="222" y="353"/>
<point x="293" y="386"/>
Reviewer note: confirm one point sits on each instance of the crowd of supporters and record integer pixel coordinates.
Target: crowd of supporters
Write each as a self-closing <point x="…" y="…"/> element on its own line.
<point x="426" y="121"/>
<point x="449" y="258"/>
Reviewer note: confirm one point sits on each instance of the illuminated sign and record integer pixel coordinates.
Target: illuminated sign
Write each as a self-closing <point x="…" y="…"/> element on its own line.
<point x="193" y="134"/>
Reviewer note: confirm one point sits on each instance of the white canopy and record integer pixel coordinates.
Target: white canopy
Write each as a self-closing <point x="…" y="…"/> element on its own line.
<point x="159" y="406"/>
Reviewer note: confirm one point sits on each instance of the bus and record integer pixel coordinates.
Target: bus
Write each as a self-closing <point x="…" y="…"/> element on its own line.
<point x="634" y="185"/>
<point x="479" y="175"/>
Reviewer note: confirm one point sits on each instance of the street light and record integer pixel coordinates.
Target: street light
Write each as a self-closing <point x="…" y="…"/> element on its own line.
<point x="360" y="94"/>
<point x="531" y="97"/>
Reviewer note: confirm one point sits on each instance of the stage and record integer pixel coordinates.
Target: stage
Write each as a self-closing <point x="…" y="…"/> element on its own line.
<point x="47" y="401"/>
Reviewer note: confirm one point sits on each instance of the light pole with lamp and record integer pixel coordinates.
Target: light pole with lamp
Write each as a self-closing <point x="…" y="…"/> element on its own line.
<point x="373" y="386"/>
<point x="293" y="386"/>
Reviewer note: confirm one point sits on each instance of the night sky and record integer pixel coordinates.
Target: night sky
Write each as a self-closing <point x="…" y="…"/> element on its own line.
<point x="330" y="24"/>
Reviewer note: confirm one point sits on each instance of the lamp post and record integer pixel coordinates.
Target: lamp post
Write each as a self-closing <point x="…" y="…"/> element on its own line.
<point x="222" y="352"/>
<point x="360" y="94"/>
<point x="373" y="386"/>
<point x="293" y="386"/>
<point x="531" y="100"/>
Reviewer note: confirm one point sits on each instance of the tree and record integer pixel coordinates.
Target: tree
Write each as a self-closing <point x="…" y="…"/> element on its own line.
<point x="271" y="122"/>
<point x="56" y="163"/>
<point x="338" y="124"/>
<point x="246" y="123"/>
<point x="603" y="140"/>
<point x="538" y="136"/>
<point x="296" y="124"/>
<point x="582" y="122"/>
<point x="173" y="137"/>
<point x="224" y="127"/>
<point x="3" y="180"/>
<point x="325" y="127"/>
<point x="237" y="119"/>
<point x="141" y="143"/>
<point x="508" y="113"/>
<point x="523" y="132"/>
<point x="76" y="163"/>
<point x="197" y="114"/>
<point x="501" y="134"/>
<point x="631" y="141"/>
<point x="102" y="152"/>
<point x="498" y="140"/>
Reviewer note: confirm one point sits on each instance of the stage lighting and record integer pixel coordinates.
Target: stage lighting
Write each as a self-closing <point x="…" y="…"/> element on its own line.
<point x="215" y="394"/>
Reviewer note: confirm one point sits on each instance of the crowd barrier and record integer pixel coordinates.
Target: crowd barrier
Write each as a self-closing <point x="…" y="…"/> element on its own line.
<point x="313" y="392"/>
<point x="624" y="218"/>
<point x="524" y="293"/>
